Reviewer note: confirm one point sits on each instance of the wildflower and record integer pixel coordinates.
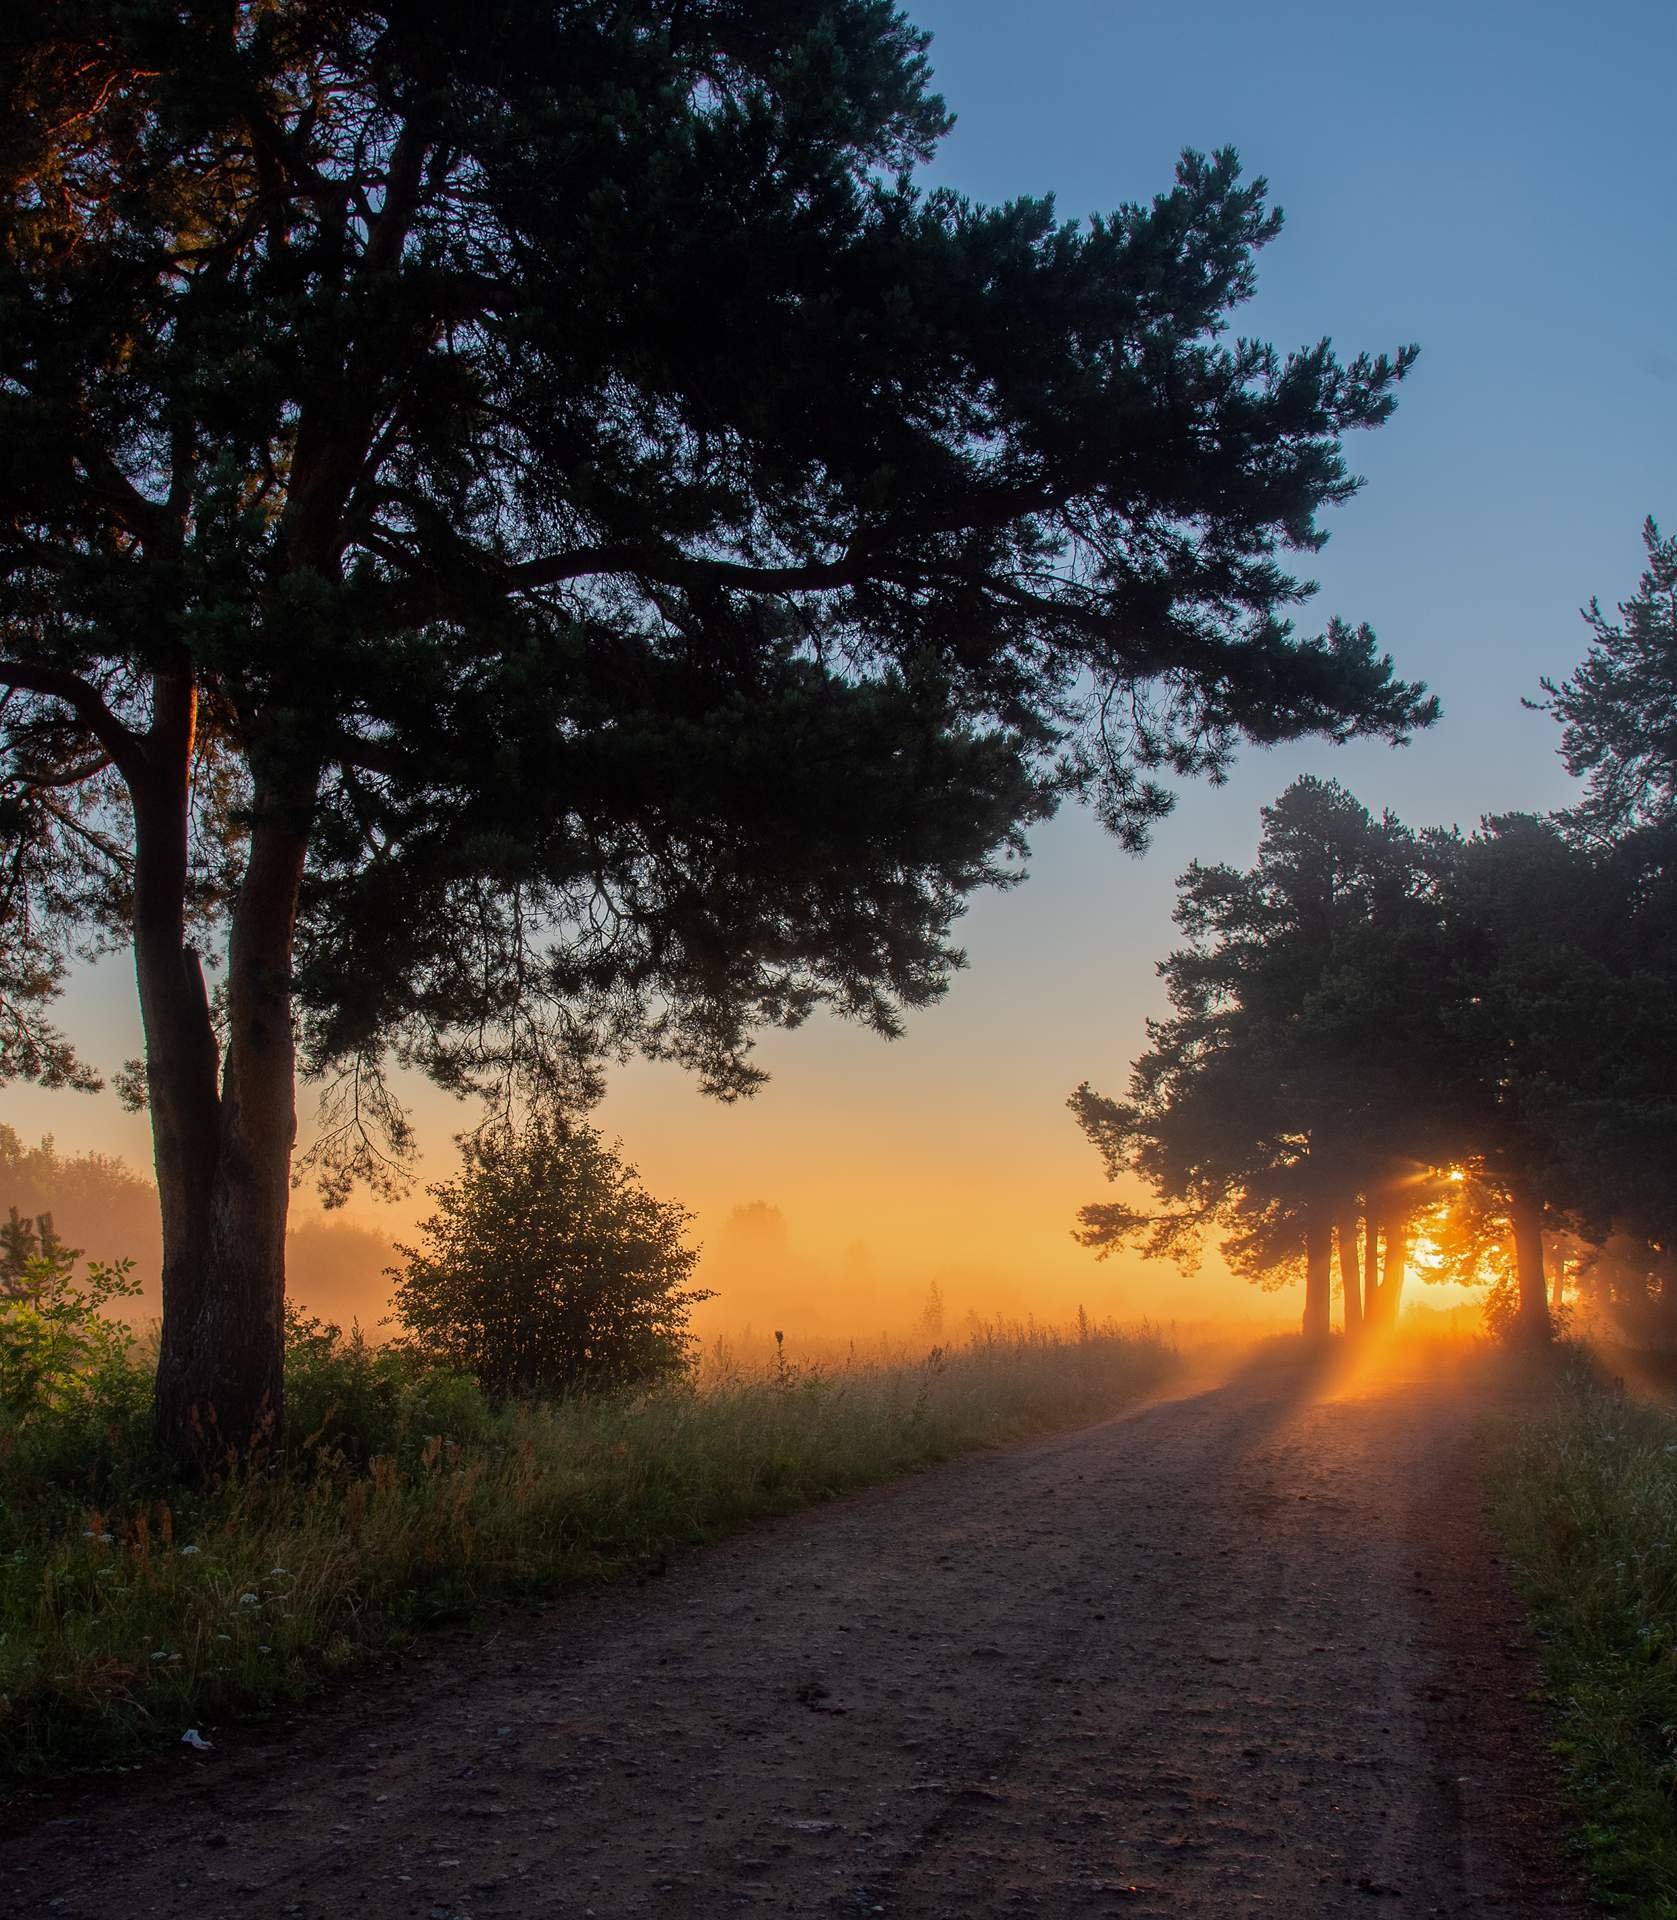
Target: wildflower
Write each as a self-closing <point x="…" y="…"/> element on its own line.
<point x="250" y="1600"/>
<point x="274" y="1572"/>
<point x="264" y="1649"/>
<point x="224" y="1636"/>
<point x="187" y="1550"/>
<point x="161" y="1654"/>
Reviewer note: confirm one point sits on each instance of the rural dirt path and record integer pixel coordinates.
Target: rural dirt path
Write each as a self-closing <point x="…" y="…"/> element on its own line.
<point x="1244" y="1652"/>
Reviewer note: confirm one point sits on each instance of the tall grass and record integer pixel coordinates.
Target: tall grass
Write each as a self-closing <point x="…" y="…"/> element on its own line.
<point x="129" y="1613"/>
<point x="1585" y="1495"/>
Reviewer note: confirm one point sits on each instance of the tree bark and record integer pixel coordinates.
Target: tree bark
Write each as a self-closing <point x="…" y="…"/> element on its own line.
<point x="224" y="1156"/>
<point x="1318" y="1278"/>
<point x="1527" y="1219"/>
<point x="1350" y="1277"/>
<point x="1371" y="1269"/>
<point x="1396" y="1227"/>
<point x="181" y="1058"/>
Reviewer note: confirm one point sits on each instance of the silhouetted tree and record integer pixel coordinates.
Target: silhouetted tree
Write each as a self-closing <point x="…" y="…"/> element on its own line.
<point x="1524" y="1026"/>
<point x="1559" y="1032"/>
<point x="548" y="1267"/>
<point x="1618" y="709"/>
<point x="1365" y="1011"/>
<point x="1616" y="1140"/>
<point x="524" y="531"/>
<point x="1253" y="1112"/>
<point x="1618" y="713"/>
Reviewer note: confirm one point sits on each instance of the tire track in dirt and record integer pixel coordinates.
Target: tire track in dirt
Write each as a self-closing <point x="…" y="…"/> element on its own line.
<point x="1239" y="1653"/>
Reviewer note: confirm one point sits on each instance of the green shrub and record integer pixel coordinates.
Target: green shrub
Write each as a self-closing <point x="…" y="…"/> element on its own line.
<point x="75" y="1398"/>
<point x="56" y="1345"/>
<point x="346" y="1396"/>
<point x="549" y="1268"/>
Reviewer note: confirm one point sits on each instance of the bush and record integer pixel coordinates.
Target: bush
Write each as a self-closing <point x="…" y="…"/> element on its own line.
<point x="549" y="1268"/>
<point x="55" y="1342"/>
<point x="349" y="1398"/>
<point x="75" y="1398"/>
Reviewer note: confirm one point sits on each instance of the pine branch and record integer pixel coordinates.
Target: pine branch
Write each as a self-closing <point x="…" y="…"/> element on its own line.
<point x="123" y="746"/>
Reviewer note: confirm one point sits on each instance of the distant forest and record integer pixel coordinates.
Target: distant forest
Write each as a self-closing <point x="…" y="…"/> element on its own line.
<point x="101" y="1205"/>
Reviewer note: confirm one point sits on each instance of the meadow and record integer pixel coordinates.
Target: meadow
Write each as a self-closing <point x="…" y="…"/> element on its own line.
<point x="132" y="1610"/>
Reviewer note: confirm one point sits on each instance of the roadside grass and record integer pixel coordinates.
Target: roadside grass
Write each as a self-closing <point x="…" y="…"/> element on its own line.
<point x="1584" y="1492"/>
<point x="131" y="1611"/>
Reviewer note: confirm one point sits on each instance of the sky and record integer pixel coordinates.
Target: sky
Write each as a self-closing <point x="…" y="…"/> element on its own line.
<point x="1493" y="182"/>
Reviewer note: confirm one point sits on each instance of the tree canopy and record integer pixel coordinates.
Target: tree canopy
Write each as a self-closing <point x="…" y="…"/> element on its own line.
<point x="1251" y="1104"/>
<point x="1618" y="708"/>
<point x="1376" y="1031"/>
<point x="526" y="534"/>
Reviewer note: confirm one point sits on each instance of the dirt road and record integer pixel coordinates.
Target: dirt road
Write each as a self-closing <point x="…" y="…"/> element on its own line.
<point x="1243" y="1652"/>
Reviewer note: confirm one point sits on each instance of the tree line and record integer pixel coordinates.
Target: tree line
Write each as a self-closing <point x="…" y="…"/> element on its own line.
<point x="1377" y="1030"/>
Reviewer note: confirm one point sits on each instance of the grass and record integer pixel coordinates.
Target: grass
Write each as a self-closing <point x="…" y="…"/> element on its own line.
<point x="1585" y="1495"/>
<point x="129" y="1613"/>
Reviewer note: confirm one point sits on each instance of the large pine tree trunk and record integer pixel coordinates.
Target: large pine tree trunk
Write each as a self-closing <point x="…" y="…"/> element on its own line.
<point x="1350" y="1276"/>
<point x="1318" y="1278"/>
<point x="1527" y="1219"/>
<point x="223" y="1153"/>
<point x="181" y="1054"/>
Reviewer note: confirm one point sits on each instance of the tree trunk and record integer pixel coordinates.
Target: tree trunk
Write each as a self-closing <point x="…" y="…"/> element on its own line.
<point x="181" y="1062"/>
<point x="1557" y="1292"/>
<point x="1527" y="1219"/>
<point x="1318" y="1279"/>
<point x="1397" y="1262"/>
<point x="1665" y="1267"/>
<point x="1350" y="1278"/>
<point x="225" y="1173"/>
<point x="1371" y="1270"/>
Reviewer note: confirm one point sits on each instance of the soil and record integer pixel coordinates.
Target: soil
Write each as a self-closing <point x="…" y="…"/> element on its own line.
<point x="1246" y="1651"/>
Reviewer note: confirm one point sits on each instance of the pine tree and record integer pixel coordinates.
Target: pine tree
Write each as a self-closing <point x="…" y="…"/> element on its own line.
<point x="526" y="535"/>
<point x="1618" y="708"/>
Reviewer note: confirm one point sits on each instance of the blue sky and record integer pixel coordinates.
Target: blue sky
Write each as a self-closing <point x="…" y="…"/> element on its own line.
<point x="1495" y="182"/>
